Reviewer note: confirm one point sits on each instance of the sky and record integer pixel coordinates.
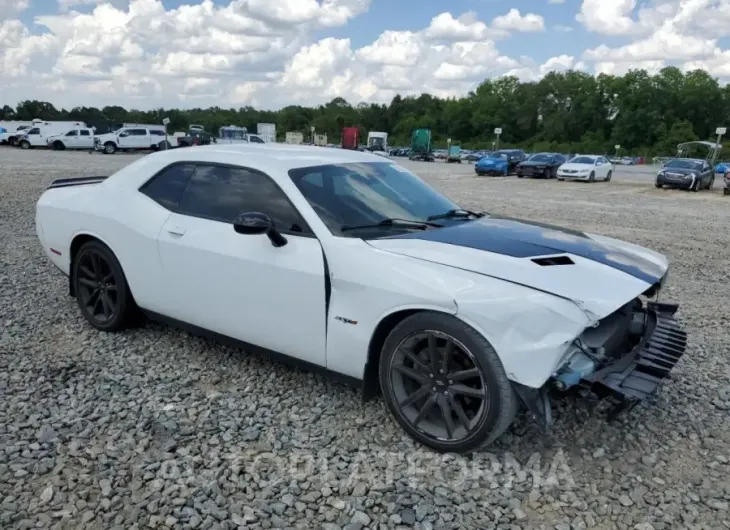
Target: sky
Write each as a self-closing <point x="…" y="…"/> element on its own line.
<point x="271" y="53"/>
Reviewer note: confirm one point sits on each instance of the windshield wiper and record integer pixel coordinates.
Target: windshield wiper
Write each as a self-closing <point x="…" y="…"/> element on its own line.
<point x="451" y="214"/>
<point x="395" y="223"/>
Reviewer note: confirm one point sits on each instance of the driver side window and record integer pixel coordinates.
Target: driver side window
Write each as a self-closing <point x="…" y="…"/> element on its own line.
<point x="222" y="193"/>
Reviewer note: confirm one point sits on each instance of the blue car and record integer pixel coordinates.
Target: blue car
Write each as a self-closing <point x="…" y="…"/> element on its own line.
<point x="494" y="164"/>
<point x="723" y="168"/>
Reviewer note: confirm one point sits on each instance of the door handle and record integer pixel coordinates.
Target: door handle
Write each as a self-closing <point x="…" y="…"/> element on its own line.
<point x="176" y="230"/>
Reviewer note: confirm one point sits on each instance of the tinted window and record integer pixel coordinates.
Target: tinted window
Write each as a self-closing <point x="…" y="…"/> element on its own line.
<point x="84" y="133"/>
<point x="255" y="140"/>
<point x="541" y="157"/>
<point x="34" y="130"/>
<point x="167" y="187"/>
<point x="137" y="132"/>
<point x="72" y="133"/>
<point x="222" y="193"/>
<point x="155" y="132"/>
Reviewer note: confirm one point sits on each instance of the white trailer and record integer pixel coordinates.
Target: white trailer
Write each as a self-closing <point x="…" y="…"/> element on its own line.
<point x="266" y="131"/>
<point x="320" y="139"/>
<point x="378" y="142"/>
<point x="295" y="138"/>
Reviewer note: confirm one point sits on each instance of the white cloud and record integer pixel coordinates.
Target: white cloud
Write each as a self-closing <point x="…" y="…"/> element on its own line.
<point x="679" y="32"/>
<point x="271" y="53"/>
<point x="514" y="21"/>
<point x="10" y="8"/>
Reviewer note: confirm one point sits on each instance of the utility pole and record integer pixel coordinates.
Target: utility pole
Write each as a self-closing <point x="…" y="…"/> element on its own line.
<point x="720" y="133"/>
<point x="497" y="132"/>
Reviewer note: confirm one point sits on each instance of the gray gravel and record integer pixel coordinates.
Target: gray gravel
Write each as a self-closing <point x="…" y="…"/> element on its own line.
<point x="157" y="429"/>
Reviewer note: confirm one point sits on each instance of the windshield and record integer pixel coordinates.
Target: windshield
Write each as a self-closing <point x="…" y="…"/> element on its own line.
<point x="540" y="158"/>
<point x="375" y="142"/>
<point x="583" y="160"/>
<point x="367" y="193"/>
<point x="684" y="164"/>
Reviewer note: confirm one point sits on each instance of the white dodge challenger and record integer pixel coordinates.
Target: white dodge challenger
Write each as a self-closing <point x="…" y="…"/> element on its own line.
<point x="348" y="262"/>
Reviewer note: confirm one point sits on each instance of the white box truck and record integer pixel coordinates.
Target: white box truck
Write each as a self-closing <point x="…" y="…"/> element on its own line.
<point x="266" y="131"/>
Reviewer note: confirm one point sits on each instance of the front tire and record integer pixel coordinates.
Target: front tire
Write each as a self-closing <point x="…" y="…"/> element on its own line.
<point x="592" y="177"/>
<point x="109" y="148"/>
<point x="58" y="145"/>
<point x="101" y="288"/>
<point x="444" y="383"/>
<point x="608" y="177"/>
<point x="25" y="144"/>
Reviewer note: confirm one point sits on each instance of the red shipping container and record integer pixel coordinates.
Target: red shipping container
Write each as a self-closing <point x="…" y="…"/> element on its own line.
<point x="350" y="138"/>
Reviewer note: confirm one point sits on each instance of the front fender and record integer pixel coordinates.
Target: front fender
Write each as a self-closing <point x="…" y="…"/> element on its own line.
<point x="530" y="330"/>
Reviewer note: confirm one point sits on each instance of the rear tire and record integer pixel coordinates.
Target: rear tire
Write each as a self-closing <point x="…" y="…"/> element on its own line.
<point x="434" y="403"/>
<point x="102" y="292"/>
<point x="560" y="180"/>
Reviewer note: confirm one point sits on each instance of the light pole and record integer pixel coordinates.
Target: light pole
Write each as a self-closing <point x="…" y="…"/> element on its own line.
<point x="497" y="132"/>
<point x="720" y="131"/>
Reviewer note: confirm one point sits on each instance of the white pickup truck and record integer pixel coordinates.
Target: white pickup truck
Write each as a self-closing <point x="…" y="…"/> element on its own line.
<point x="130" y="138"/>
<point x="79" y="138"/>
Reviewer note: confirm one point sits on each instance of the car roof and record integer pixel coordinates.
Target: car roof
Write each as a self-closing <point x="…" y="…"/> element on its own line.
<point x="272" y="159"/>
<point x="285" y="156"/>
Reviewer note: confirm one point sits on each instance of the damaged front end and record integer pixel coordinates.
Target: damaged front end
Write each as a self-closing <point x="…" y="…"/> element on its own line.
<point x="624" y="357"/>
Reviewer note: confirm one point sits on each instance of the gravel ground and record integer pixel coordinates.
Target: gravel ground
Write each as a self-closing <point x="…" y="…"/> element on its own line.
<point x="153" y="428"/>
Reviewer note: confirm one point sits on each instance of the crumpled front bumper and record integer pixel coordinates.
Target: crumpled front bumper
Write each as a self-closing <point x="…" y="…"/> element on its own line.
<point x="631" y="378"/>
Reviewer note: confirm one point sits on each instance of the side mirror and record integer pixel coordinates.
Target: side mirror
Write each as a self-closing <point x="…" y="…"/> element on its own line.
<point x="255" y="223"/>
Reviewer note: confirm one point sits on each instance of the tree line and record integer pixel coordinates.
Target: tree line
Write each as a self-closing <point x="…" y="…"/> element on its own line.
<point x="647" y="115"/>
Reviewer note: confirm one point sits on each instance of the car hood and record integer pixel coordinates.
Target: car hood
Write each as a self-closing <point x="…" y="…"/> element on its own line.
<point x="679" y="170"/>
<point x="577" y="167"/>
<point x="603" y="273"/>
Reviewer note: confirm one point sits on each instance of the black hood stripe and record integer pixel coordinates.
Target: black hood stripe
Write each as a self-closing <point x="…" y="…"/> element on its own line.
<point x="525" y="239"/>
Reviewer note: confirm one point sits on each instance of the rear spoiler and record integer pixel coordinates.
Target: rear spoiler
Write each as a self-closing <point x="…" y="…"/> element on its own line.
<point x="76" y="181"/>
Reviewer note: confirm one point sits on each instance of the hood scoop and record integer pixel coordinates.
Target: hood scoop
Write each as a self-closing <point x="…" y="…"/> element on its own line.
<point x="553" y="260"/>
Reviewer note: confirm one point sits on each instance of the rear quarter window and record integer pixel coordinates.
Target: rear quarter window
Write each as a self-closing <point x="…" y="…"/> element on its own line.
<point x="166" y="188"/>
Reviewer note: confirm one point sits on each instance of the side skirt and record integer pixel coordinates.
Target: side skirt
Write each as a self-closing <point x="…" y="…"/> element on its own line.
<point x="252" y="348"/>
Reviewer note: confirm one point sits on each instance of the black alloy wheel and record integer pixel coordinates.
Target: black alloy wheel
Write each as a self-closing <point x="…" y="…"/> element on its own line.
<point x="101" y="289"/>
<point x="445" y="384"/>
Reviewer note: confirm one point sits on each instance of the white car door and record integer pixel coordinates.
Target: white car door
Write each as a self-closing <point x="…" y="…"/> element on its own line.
<point x="85" y="139"/>
<point x="243" y="286"/>
<point x="71" y="139"/>
<point x="125" y="139"/>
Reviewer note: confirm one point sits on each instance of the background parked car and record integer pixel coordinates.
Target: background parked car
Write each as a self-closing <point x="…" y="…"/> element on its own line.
<point x="691" y="174"/>
<point x="586" y="167"/>
<point x="513" y="157"/>
<point x="543" y="165"/>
